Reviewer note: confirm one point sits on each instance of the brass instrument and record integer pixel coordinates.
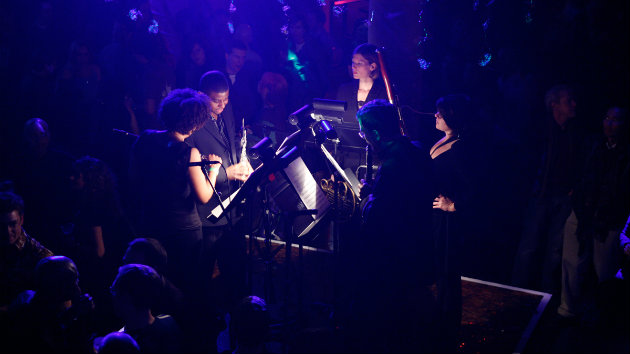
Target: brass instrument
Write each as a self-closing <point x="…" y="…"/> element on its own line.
<point x="347" y="200"/>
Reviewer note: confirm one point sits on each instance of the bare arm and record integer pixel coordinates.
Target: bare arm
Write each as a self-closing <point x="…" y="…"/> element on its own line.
<point x="97" y="235"/>
<point x="201" y="186"/>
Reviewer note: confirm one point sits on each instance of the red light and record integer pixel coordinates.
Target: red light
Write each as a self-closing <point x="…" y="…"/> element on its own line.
<point x="271" y="177"/>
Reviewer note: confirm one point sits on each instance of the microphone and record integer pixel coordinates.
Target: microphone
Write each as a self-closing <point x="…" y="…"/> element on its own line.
<point x="203" y="163"/>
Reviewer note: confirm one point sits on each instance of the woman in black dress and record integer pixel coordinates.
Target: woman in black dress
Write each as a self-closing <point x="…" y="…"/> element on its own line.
<point x="451" y="205"/>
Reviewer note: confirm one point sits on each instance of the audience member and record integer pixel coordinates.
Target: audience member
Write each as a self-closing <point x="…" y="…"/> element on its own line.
<point x="539" y="254"/>
<point x="19" y="253"/>
<point x="149" y="252"/>
<point x="249" y="325"/>
<point x="242" y="79"/>
<point x="135" y="291"/>
<point x="41" y="174"/>
<point x="56" y="317"/>
<point x="601" y="203"/>
<point x="117" y="343"/>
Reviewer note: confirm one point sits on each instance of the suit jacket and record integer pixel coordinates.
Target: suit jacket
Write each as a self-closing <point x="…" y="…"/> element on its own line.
<point x="209" y="141"/>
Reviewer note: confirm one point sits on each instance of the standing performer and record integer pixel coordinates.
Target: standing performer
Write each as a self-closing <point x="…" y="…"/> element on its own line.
<point x="219" y="136"/>
<point x="393" y="308"/>
<point x="167" y="186"/>
<point x="366" y="86"/>
<point x="451" y="206"/>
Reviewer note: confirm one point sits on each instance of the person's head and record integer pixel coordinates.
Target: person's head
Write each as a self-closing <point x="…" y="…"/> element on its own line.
<point x="235" y="55"/>
<point x="615" y="123"/>
<point x="453" y="113"/>
<point x="36" y="136"/>
<point x="184" y="111"/>
<point x="216" y="86"/>
<point x="250" y="322"/>
<point x="11" y="218"/>
<point x="57" y="279"/>
<point x="560" y="102"/>
<point x="273" y="89"/>
<point x="93" y="176"/>
<point x="79" y="53"/>
<point x="197" y="54"/>
<point x="297" y="29"/>
<point x="147" y="251"/>
<point x="117" y="342"/>
<point x="365" y="62"/>
<point x="244" y="33"/>
<point x="379" y="123"/>
<point x="135" y="289"/>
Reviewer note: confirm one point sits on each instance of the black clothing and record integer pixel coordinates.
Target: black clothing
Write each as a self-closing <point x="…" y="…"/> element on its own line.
<point x="209" y="140"/>
<point x="393" y="307"/>
<point x="159" y="172"/>
<point x="452" y="180"/>
<point x="160" y="177"/>
<point x="17" y="266"/>
<point x="348" y="92"/>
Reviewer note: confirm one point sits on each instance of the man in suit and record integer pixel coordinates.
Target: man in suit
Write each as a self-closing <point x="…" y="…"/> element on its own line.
<point x="219" y="137"/>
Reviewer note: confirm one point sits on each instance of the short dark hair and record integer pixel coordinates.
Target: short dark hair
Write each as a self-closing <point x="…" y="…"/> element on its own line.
<point x="213" y="81"/>
<point x="234" y="44"/>
<point x="456" y="110"/>
<point x="56" y="279"/>
<point x="10" y="202"/>
<point x="555" y="93"/>
<point x="184" y="110"/>
<point x="153" y="254"/>
<point x="250" y="321"/>
<point x="368" y="51"/>
<point x="141" y="282"/>
<point x="381" y="116"/>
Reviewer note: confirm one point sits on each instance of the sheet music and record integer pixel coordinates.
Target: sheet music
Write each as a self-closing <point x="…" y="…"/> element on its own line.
<point x="216" y="212"/>
<point x="342" y="173"/>
<point x="307" y="188"/>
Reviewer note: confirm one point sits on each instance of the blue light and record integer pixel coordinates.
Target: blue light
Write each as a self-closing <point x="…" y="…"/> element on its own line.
<point x="321" y="2"/>
<point x="231" y="27"/>
<point x="134" y="14"/>
<point x="153" y="27"/>
<point x="339" y="10"/>
<point x="485" y="60"/>
<point x="424" y="65"/>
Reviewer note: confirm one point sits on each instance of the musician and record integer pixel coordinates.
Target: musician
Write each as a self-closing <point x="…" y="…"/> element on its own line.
<point x="168" y="187"/>
<point x="393" y="307"/>
<point x="366" y="86"/>
<point x="219" y="136"/>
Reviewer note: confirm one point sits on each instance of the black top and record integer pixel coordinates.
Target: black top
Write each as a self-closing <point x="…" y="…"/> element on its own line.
<point x="348" y="130"/>
<point x="209" y="140"/>
<point x="159" y="175"/>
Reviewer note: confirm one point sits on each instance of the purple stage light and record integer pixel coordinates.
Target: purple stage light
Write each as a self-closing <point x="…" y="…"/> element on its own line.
<point x="321" y="2"/>
<point x="232" y="8"/>
<point x="284" y="29"/>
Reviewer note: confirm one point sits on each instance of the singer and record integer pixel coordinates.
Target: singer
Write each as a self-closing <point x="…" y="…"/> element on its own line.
<point x="167" y="187"/>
